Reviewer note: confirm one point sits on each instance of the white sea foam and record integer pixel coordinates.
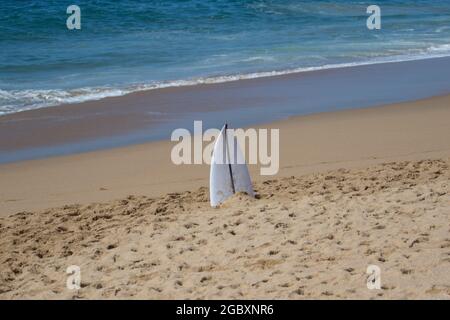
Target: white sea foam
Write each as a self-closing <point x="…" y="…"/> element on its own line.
<point x="441" y="48"/>
<point x="20" y="100"/>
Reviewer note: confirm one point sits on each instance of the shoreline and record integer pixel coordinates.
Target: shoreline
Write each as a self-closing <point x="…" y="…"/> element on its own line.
<point x="208" y="80"/>
<point x="351" y="138"/>
<point x="151" y="115"/>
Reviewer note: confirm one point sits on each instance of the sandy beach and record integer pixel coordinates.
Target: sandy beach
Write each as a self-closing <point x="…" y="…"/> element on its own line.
<point x="355" y="187"/>
<point x="110" y="114"/>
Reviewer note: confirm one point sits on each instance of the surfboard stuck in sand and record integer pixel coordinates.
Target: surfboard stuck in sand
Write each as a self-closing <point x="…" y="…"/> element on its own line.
<point x="229" y="173"/>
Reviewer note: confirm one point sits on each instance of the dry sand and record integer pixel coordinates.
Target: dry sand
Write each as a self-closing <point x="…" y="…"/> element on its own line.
<point x="306" y="237"/>
<point x="370" y="186"/>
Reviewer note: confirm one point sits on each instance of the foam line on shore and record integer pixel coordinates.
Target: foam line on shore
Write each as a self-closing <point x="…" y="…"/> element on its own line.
<point x="41" y="98"/>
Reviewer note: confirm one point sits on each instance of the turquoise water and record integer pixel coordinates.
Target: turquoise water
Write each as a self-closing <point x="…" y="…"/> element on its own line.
<point x="125" y="45"/>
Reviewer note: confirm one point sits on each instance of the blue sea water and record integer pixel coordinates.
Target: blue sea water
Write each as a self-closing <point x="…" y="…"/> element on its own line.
<point x="129" y="45"/>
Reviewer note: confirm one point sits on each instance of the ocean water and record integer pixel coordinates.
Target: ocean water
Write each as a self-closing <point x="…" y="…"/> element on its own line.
<point x="127" y="45"/>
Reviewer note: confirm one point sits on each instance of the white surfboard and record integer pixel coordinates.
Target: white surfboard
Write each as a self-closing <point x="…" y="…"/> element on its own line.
<point x="229" y="172"/>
